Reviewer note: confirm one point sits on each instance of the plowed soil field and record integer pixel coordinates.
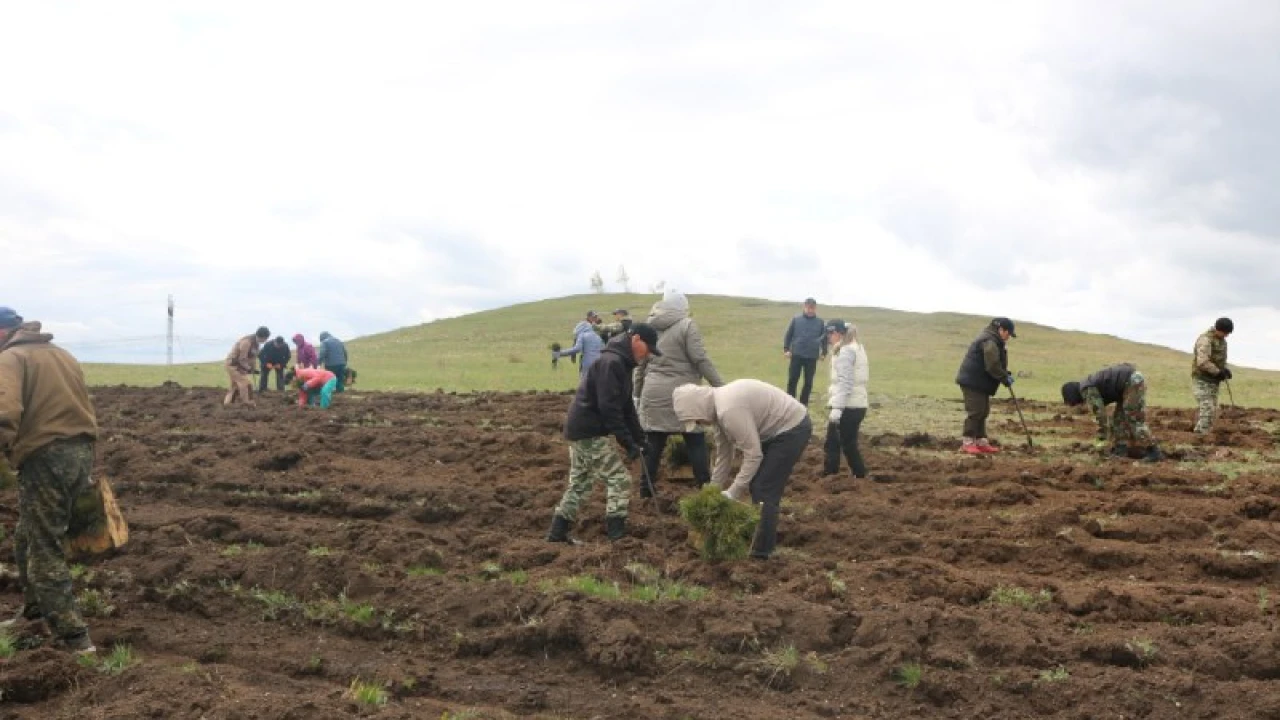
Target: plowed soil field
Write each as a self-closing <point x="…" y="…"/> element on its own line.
<point x="278" y="556"/>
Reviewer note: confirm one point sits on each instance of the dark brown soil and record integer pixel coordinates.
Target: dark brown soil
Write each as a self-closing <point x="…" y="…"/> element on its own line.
<point x="251" y="528"/>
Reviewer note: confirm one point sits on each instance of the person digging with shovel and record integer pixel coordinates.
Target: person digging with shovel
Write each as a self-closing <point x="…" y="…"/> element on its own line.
<point x="602" y="418"/>
<point x="984" y="369"/>
<point x="1125" y="386"/>
<point x="1208" y="370"/>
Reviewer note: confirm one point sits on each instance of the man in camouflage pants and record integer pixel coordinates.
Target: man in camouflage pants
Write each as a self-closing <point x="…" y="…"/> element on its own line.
<point x="47" y="431"/>
<point x="1208" y="370"/>
<point x="1125" y="386"/>
<point x="603" y="412"/>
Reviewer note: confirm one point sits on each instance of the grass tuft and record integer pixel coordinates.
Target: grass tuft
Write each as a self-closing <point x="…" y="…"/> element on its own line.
<point x="367" y="694"/>
<point x="8" y="646"/>
<point x="1013" y="596"/>
<point x="909" y="675"/>
<point x="118" y="660"/>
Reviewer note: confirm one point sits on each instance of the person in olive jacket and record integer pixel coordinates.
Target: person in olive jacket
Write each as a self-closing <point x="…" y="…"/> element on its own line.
<point x="984" y="369"/>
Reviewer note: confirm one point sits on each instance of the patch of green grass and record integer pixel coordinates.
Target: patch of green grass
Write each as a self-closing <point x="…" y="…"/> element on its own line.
<point x="518" y="577"/>
<point x="320" y="551"/>
<point x="8" y="646"/>
<point x="1144" y="649"/>
<point x="94" y="603"/>
<point x="1057" y="674"/>
<point x="660" y="590"/>
<point x="593" y="587"/>
<point x="1013" y="596"/>
<point x="274" y="602"/>
<point x="120" y="658"/>
<point x="80" y="572"/>
<point x="367" y="694"/>
<point x="423" y="571"/>
<point x="909" y="675"/>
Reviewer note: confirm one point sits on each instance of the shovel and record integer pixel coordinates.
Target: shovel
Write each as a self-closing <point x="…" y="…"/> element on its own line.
<point x="1024" y="421"/>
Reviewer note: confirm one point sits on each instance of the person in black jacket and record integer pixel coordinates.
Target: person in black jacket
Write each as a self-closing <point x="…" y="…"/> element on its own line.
<point x="1125" y="386"/>
<point x="804" y="343"/>
<point x="984" y="369"/>
<point x="603" y="412"/>
<point x="275" y="355"/>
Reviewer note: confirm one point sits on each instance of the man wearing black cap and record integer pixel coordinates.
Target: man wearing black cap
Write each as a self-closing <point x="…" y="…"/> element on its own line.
<point x="984" y="369"/>
<point x="1208" y="370"/>
<point x="804" y="343"/>
<point x="603" y="409"/>
<point x="47" y="431"/>
<point x="242" y="361"/>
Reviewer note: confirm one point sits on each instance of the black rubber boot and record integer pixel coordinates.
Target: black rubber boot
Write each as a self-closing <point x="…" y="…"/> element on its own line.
<point x="766" y="536"/>
<point x="615" y="526"/>
<point x="1153" y="454"/>
<point x="560" y="531"/>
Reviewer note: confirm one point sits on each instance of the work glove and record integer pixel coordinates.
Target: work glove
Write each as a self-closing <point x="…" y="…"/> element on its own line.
<point x="1008" y="380"/>
<point x="1225" y="373"/>
<point x="835" y="415"/>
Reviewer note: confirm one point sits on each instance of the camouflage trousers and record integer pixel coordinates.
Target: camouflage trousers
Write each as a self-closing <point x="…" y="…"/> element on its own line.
<point x="1206" y="393"/>
<point x="591" y="459"/>
<point x="49" y="482"/>
<point x="1129" y="421"/>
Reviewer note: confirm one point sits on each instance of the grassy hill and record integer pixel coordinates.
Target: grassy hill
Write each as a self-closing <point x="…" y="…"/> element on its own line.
<point x="912" y="354"/>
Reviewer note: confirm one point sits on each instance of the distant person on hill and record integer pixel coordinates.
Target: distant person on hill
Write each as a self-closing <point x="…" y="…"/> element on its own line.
<point x="333" y="356"/>
<point x="585" y="341"/>
<point x="241" y="363"/>
<point x="621" y="323"/>
<point x="1125" y="386"/>
<point x="850" y="373"/>
<point x="306" y="355"/>
<point x="274" y="357"/>
<point x="1208" y="370"/>
<point x="984" y="369"/>
<point x="315" y="386"/>
<point x="804" y="344"/>
<point x="769" y="428"/>
<point x="602" y="419"/>
<point x="683" y="360"/>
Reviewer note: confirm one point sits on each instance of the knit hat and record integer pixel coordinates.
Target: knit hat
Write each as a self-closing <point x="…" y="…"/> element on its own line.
<point x="1071" y="393"/>
<point x="1224" y="325"/>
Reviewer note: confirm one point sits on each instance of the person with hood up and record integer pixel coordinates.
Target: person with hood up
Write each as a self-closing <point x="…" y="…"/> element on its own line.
<point x="585" y="341"/>
<point x="315" y="386"/>
<point x="769" y="427"/>
<point x="242" y="362"/>
<point x="306" y="356"/>
<point x="274" y="357"/>
<point x="984" y="369"/>
<point x="47" y="432"/>
<point x="683" y="360"/>
<point x="1125" y="386"/>
<point x="333" y="356"/>
<point x="602" y="418"/>
<point x="850" y="374"/>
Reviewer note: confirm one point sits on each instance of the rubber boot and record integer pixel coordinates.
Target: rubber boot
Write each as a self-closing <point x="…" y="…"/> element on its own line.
<point x="1153" y="454"/>
<point x="560" y="531"/>
<point x="766" y="536"/>
<point x="615" y="526"/>
<point x="1120" y="450"/>
<point x="29" y="611"/>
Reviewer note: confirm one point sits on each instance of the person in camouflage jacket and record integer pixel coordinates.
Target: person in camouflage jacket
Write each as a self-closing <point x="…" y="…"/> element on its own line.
<point x="1208" y="370"/>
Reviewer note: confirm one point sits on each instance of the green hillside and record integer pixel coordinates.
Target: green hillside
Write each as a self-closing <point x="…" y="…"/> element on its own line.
<point x="912" y="354"/>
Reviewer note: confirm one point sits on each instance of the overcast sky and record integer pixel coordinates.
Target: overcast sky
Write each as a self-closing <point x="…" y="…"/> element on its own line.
<point x="1104" y="166"/>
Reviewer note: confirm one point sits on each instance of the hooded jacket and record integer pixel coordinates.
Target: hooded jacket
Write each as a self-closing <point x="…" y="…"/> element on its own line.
<point x="244" y="354"/>
<point x="683" y="360"/>
<point x="586" y="341"/>
<point x="602" y="405"/>
<point x="1110" y="382"/>
<point x="850" y="374"/>
<point x="333" y="353"/>
<point x="306" y="352"/>
<point x="985" y="363"/>
<point x="746" y="414"/>
<point x="43" y="396"/>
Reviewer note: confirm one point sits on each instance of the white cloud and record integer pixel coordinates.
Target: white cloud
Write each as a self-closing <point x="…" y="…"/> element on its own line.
<point x="321" y="166"/>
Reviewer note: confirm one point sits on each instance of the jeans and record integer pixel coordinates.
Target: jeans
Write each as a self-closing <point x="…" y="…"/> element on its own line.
<point x="780" y="455"/>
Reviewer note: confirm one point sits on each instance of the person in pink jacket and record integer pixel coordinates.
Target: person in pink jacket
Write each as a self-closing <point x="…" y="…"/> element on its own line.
<point x="315" y="386"/>
<point x="306" y="355"/>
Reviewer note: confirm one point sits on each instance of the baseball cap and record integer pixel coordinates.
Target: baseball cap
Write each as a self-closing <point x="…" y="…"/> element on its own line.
<point x="649" y="336"/>
<point x="836" y="325"/>
<point x="9" y="318"/>
<point x="810" y="301"/>
<point x="1006" y="323"/>
<point x="592" y="313"/>
<point x="621" y="311"/>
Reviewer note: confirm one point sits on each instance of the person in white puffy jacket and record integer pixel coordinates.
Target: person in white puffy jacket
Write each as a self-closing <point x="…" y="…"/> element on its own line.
<point x="850" y="373"/>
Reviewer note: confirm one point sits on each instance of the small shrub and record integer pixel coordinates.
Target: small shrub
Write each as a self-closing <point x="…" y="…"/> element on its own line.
<point x="518" y="577"/>
<point x="367" y="694"/>
<point x="93" y="603"/>
<point x="1013" y="596"/>
<point x="1057" y="674"/>
<point x="781" y="661"/>
<point x="118" y="660"/>
<point x="274" y="602"/>
<point x="361" y="613"/>
<point x="724" y="526"/>
<point x="909" y="675"/>
<point x="319" y="551"/>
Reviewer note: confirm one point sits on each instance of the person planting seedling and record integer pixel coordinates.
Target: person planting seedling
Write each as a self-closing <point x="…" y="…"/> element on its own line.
<point x="315" y="386"/>
<point x="1125" y="386"/>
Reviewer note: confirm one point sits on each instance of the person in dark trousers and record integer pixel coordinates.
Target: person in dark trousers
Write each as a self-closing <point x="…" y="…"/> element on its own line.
<point x="984" y="369"/>
<point x="1125" y="386"/>
<point x="602" y="418"/>
<point x="804" y="344"/>
<point x="769" y="428"/>
<point x="850" y="373"/>
<point x="333" y="356"/>
<point x="274" y="356"/>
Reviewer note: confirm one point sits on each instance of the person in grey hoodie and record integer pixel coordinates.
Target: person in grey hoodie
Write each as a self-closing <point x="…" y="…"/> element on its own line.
<point x="850" y="373"/>
<point x="585" y="341"/>
<point x="333" y="356"/>
<point x="769" y="428"/>
<point x="804" y="343"/>
<point x="683" y="360"/>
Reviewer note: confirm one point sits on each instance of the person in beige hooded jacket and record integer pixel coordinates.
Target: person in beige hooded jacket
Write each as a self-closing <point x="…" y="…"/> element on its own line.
<point x="769" y="427"/>
<point x="683" y="360"/>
